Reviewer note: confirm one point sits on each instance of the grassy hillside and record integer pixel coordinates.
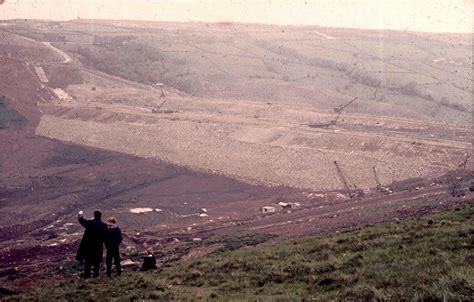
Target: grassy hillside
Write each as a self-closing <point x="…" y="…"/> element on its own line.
<point x="424" y="259"/>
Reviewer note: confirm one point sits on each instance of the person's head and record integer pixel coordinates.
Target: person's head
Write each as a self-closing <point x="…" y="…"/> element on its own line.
<point x="97" y="214"/>
<point x="149" y="251"/>
<point x="111" y="221"/>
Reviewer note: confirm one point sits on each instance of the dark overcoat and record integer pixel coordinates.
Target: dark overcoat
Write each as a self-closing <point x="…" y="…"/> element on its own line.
<point x="113" y="238"/>
<point x="91" y="247"/>
<point x="149" y="262"/>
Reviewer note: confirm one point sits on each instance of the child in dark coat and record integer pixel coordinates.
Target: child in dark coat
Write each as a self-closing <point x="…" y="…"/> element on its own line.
<point x="113" y="239"/>
<point x="149" y="261"/>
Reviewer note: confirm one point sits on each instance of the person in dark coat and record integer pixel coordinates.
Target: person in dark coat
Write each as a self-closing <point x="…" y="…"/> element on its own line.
<point x="91" y="247"/>
<point x="149" y="261"/>
<point x="113" y="239"/>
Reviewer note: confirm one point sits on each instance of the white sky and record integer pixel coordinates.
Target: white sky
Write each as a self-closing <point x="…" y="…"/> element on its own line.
<point x="417" y="15"/>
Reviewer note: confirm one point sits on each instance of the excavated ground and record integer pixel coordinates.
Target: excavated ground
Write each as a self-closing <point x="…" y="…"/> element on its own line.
<point x="192" y="177"/>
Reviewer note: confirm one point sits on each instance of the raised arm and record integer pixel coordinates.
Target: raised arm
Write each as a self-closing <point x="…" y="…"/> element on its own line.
<point x="81" y="219"/>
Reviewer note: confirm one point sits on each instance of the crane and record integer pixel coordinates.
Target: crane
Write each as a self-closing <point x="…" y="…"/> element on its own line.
<point x="344" y="181"/>
<point x="341" y="108"/>
<point x="377" y="179"/>
<point x="379" y="187"/>
<point x="463" y="163"/>
<point x="337" y="110"/>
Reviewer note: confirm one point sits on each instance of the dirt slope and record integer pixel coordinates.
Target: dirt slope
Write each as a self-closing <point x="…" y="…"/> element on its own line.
<point x="245" y="101"/>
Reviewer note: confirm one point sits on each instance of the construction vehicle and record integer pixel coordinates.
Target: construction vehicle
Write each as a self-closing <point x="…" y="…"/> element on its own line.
<point x="337" y="110"/>
<point x="353" y="190"/>
<point x="463" y="163"/>
<point x="340" y="109"/>
<point x="379" y="187"/>
<point x="160" y="85"/>
<point x="157" y="109"/>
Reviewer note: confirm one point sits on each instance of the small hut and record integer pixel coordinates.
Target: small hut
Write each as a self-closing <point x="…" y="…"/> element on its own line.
<point x="268" y="209"/>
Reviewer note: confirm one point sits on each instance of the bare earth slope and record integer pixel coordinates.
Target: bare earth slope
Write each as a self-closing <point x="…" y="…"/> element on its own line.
<point x="246" y="101"/>
<point x="245" y="122"/>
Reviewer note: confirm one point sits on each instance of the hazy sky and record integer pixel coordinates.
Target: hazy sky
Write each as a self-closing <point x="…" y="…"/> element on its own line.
<point x="418" y="15"/>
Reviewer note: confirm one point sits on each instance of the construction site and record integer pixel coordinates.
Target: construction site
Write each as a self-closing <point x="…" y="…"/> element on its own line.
<point x="195" y="134"/>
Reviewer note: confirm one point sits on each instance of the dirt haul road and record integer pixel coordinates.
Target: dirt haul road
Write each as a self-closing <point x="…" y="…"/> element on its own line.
<point x="66" y="57"/>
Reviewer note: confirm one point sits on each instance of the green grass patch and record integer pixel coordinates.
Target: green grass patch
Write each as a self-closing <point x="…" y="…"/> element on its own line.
<point x="424" y="259"/>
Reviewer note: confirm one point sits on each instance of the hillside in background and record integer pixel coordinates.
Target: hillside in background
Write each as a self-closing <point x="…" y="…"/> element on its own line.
<point x="421" y="75"/>
<point x="256" y="102"/>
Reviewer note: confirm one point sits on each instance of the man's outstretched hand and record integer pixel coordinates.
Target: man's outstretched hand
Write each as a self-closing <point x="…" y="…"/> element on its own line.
<point x="80" y="214"/>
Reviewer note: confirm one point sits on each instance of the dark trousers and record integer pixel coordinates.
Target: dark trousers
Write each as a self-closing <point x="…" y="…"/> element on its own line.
<point x="88" y="265"/>
<point x="113" y="253"/>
